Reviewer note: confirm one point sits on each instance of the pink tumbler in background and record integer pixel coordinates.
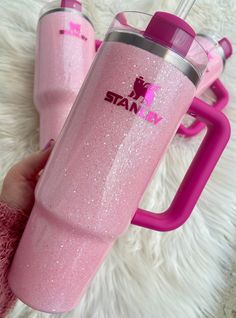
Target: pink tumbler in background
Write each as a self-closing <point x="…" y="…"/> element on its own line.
<point x="65" y="51"/>
<point x="218" y="51"/>
<point x="140" y="86"/>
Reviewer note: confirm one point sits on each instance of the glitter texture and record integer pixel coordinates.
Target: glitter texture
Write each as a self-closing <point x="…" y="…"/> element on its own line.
<point x="110" y="158"/>
<point x="62" y="62"/>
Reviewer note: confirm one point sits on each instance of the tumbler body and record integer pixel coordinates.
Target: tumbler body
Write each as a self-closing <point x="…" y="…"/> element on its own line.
<point x="65" y="51"/>
<point x="98" y="172"/>
<point x="123" y="119"/>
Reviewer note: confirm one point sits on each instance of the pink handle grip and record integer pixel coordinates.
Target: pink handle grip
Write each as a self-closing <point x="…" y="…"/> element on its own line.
<point x="222" y="99"/>
<point x="209" y="152"/>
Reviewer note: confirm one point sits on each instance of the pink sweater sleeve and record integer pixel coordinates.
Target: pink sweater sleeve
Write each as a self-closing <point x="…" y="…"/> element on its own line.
<point x="12" y="224"/>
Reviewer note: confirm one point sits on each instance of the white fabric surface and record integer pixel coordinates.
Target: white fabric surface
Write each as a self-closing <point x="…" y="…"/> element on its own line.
<point x="147" y="274"/>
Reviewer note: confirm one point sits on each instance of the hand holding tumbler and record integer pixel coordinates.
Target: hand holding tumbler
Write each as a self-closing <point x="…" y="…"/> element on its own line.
<point x="140" y="86"/>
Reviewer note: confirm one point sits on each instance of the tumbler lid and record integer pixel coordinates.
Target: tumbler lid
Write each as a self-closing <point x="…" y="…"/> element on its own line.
<point x="54" y="6"/>
<point x="62" y="5"/>
<point x="222" y="44"/>
<point x="73" y="4"/>
<point x="171" y="31"/>
<point x="164" y="35"/>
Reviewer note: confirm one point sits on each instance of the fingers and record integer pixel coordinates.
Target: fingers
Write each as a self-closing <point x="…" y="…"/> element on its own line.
<point x="34" y="163"/>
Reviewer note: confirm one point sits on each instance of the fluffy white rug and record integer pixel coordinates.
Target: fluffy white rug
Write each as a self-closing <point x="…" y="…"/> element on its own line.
<point x="147" y="274"/>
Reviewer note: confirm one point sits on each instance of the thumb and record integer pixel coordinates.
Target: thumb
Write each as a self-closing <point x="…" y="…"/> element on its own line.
<point x="34" y="163"/>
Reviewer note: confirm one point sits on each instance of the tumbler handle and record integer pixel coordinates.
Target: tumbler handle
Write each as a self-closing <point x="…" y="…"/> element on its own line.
<point x="222" y="99"/>
<point x="196" y="177"/>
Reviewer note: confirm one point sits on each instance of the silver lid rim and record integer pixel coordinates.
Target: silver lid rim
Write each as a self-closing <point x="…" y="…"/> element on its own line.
<point x="168" y="55"/>
<point x="67" y="10"/>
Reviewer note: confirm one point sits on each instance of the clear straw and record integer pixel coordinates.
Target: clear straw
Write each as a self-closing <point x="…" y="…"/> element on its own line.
<point x="184" y="7"/>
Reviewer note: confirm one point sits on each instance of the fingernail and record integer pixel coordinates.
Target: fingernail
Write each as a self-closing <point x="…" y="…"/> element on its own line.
<point x="48" y="145"/>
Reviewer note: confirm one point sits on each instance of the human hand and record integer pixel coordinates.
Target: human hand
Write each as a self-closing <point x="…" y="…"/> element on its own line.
<point x="20" y="181"/>
<point x="16" y="202"/>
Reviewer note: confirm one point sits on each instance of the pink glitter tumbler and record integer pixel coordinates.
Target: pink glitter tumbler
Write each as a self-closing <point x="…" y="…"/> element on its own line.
<point x="140" y="86"/>
<point x="218" y="51"/>
<point x="65" y="51"/>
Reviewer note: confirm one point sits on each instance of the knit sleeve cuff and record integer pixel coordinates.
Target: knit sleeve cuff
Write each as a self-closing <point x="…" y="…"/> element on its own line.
<point x="11" y="219"/>
<point x="12" y="224"/>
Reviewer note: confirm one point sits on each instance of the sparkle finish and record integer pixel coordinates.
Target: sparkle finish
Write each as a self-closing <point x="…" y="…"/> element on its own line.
<point x="95" y="177"/>
<point x="62" y="62"/>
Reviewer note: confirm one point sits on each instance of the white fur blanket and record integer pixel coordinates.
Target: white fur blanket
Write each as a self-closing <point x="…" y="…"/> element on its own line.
<point x="147" y="275"/>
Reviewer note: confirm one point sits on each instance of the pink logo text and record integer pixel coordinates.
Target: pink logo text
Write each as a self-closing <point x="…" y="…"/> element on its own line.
<point x="74" y="30"/>
<point x="140" y="100"/>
